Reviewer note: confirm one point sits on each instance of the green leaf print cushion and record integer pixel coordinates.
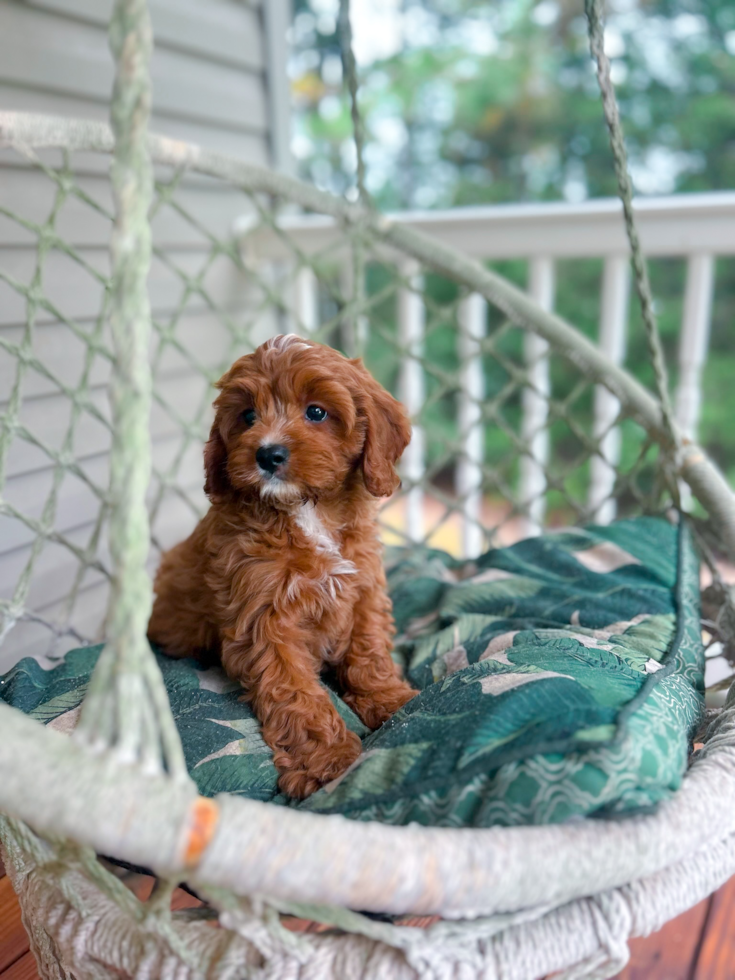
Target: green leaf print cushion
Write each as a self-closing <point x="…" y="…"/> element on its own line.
<point x="559" y="677"/>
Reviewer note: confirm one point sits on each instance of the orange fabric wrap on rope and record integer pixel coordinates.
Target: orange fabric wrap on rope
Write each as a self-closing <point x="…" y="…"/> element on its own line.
<point x="203" y="819"/>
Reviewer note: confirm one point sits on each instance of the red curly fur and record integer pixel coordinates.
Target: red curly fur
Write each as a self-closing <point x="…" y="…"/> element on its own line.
<point x="284" y="573"/>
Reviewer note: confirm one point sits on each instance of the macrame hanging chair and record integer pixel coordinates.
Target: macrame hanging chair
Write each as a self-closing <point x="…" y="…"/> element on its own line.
<point x="514" y="903"/>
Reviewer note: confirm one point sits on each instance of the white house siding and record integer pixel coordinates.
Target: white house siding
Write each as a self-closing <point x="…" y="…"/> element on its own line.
<point x="217" y="80"/>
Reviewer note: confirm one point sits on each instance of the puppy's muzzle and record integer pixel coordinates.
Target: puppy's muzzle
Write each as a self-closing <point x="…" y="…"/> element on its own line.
<point x="269" y="458"/>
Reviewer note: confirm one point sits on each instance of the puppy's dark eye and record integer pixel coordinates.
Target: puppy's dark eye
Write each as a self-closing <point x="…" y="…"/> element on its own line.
<point x="315" y="413"/>
<point x="248" y="417"/>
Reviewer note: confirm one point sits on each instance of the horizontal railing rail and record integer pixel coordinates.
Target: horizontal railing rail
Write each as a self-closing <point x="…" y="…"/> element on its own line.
<point x="678" y="224"/>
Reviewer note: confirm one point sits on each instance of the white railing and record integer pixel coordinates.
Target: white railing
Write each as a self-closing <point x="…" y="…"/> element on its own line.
<point x="698" y="227"/>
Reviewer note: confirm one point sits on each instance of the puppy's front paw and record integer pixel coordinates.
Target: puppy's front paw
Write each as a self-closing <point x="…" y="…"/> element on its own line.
<point x="308" y="766"/>
<point x="375" y="708"/>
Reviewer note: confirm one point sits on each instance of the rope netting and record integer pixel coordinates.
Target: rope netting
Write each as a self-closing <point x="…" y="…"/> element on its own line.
<point x="218" y="288"/>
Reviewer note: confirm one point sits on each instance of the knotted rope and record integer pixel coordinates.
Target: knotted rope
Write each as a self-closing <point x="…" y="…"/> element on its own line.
<point x="127" y="704"/>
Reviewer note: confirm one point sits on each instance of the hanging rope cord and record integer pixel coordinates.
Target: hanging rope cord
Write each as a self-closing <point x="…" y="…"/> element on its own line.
<point x="349" y="68"/>
<point x="717" y="501"/>
<point x="127" y="707"/>
<point x="357" y="328"/>
<point x="596" y="31"/>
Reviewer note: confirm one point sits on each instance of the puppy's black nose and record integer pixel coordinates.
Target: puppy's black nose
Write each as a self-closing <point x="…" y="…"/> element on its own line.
<point x="269" y="458"/>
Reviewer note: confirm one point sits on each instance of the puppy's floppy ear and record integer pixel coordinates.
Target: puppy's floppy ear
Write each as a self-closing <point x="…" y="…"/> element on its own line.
<point x="387" y="435"/>
<point x="217" y="482"/>
<point x="216" y="478"/>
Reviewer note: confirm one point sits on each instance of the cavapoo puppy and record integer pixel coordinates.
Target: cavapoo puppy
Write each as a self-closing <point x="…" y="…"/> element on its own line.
<point x="284" y="574"/>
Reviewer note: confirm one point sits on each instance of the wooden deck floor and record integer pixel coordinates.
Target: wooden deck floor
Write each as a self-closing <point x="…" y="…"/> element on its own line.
<point x="699" y="945"/>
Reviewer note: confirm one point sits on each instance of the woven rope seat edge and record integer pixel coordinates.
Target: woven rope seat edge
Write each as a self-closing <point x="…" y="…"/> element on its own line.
<point x="515" y="903"/>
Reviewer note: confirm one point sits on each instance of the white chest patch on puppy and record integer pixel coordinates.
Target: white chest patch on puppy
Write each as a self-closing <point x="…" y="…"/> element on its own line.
<point x="309" y="522"/>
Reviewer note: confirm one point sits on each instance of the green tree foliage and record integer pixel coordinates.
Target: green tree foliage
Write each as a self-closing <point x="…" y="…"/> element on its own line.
<point x="497" y="102"/>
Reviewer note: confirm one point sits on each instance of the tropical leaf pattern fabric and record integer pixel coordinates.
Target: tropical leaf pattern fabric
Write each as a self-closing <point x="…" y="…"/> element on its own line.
<point x="560" y="677"/>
